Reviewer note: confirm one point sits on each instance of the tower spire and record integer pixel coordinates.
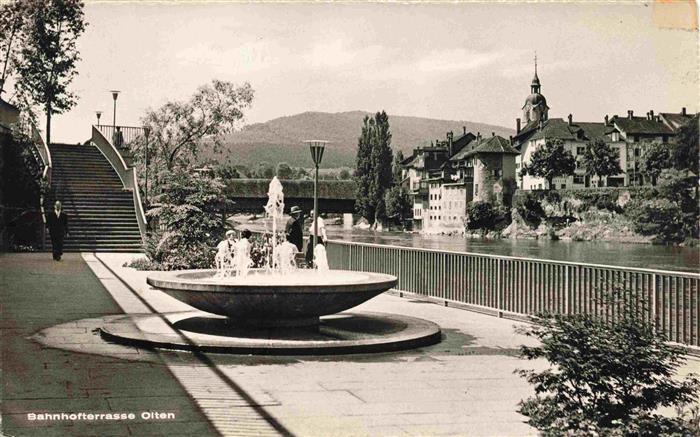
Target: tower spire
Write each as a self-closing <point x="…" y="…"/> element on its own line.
<point x="535" y="86"/>
<point x="535" y="63"/>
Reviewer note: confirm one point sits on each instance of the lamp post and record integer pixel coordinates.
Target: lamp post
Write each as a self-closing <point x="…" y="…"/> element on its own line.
<point x="115" y="94"/>
<point x="98" y="114"/>
<point x="316" y="147"/>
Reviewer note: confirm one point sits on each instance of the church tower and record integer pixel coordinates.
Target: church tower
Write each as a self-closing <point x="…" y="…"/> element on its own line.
<point x="535" y="108"/>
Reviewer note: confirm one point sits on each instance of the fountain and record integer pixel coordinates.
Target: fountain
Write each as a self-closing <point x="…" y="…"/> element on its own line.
<point x="260" y="308"/>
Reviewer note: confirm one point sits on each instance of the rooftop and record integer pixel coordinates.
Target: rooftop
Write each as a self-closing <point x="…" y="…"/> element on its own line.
<point x="493" y="144"/>
<point x="641" y="125"/>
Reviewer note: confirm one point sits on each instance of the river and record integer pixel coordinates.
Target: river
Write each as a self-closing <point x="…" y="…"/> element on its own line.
<point x="674" y="258"/>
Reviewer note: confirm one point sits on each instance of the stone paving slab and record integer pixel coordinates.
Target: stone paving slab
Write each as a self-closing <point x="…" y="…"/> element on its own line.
<point x="38" y="293"/>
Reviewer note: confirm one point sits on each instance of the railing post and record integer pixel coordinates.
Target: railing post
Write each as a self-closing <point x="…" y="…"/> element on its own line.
<point x="400" y="282"/>
<point x="499" y="288"/>
<point x="567" y="291"/>
<point x="653" y="308"/>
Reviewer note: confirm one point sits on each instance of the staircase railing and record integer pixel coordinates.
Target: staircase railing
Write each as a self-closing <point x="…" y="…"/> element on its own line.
<point x="46" y="173"/>
<point x="126" y="173"/>
<point x="45" y="154"/>
<point x="120" y="136"/>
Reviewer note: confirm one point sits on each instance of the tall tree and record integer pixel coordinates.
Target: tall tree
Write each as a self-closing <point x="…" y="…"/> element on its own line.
<point x="381" y="159"/>
<point x="550" y="161"/>
<point x="46" y="62"/>
<point x="656" y="157"/>
<point x="363" y="170"/>
<point x="397" y="169"/>
<point x="180" y="130"/>
<point x="600" y="160"/>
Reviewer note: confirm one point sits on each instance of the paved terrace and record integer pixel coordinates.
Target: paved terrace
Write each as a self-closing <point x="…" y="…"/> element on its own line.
<point x="53" y="362"/>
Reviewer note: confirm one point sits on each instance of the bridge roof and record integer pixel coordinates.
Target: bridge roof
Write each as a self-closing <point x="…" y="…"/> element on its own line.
<point x="257" y="188"/>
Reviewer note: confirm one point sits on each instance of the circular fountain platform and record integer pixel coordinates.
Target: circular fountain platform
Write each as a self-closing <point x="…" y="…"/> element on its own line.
<point x="267" y="299"/>
<point x="344" y="333"/>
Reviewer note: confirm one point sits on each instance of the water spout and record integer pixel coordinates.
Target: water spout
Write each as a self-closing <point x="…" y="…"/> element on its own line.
<point x="274" y="209"/>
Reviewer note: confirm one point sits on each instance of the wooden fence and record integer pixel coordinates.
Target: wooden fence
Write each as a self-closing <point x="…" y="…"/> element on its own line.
<point x="522" y="286"/>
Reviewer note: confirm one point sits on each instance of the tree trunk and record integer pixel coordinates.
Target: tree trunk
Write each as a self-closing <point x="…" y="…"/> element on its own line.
<point x="48" y="124"/>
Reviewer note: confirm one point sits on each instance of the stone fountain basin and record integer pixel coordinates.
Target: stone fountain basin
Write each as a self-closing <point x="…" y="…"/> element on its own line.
<point x="267" y="299"/>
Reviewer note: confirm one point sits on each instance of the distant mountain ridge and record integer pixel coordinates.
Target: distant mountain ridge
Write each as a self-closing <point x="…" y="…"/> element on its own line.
<point x="281" y="139"/>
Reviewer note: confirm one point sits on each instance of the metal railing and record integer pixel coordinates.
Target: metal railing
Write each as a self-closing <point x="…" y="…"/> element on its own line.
<point x="46" y="174"/>
<point x="126" y="174"/>
<point x="513" y="286"/>
<point x="121" y="136"/>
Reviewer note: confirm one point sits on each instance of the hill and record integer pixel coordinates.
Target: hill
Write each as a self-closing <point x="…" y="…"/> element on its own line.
<point x="281" y="139"/>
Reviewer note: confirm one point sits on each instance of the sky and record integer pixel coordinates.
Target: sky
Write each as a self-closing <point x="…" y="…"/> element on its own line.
<point x="458" y="61"/>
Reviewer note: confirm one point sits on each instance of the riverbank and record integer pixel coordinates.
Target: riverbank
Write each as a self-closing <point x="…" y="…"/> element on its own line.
<point x="675" y="258"/>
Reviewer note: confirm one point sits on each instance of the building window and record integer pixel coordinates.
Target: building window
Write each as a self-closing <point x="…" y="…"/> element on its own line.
<point x="637" y="152"/>
<point x="664" y="139"/>
<point x="563" y="186"/>
<point x="579" y="179"/>
<point x="636" y="138"/>
<point x="580" y="150"/>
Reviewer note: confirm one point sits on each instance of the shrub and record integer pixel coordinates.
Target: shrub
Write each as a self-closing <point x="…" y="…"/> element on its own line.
<point x="187" y="212"/>
<point x="600" y="199"/>
<point x="660" y="217"/>
<point x="607" y="378"/>
<point x="679" y="186"/>
<point x="142" y="264"/>
<point x="529" y="208"/>
<point x="480" y="215"/>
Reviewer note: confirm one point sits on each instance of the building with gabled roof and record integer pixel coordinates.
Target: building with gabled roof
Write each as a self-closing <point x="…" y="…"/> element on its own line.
<point x="675" y="121"/>
<point x="639" y="132"/>
<point x="493" y="163"/>
<point x="575" y="136"/>
<point x="425" y="168"/>
<point x="483" y="170"/>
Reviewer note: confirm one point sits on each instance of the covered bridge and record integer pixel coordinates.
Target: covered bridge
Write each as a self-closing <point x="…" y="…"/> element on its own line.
<point x="250" y="195"/>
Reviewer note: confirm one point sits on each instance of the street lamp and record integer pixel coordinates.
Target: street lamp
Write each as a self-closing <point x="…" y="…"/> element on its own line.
<point x="98" y="114"/>
<point x="316" y="147"/>
<point x="115" y="93"/>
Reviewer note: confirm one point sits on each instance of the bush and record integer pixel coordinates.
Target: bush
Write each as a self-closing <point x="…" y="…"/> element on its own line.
<point x="607" y="378"/>
<point x="600" y="199"/>
<point x="660" y="217"/>
<point x="142" y="264"/>
<point x="187" y="213"/>
<point x="529" y="208"/>
<point x="480" y="215"/>
<point x="679" y="186"/>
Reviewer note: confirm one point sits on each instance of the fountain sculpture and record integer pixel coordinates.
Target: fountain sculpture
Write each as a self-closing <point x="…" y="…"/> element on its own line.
<point x="264" y="306"/>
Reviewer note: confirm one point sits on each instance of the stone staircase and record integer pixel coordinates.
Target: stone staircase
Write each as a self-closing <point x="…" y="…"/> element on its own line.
<point x="101" y="214"/>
